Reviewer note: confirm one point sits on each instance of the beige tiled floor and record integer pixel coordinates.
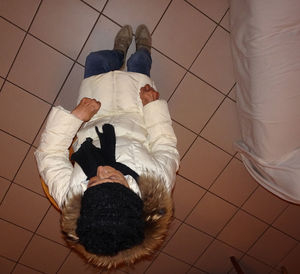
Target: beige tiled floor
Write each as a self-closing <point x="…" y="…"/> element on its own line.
<point x="220" y="211"/>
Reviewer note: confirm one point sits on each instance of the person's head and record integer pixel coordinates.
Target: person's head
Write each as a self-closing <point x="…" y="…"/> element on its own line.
<point x="111" y="214"/>
<point x="110" y="224"/>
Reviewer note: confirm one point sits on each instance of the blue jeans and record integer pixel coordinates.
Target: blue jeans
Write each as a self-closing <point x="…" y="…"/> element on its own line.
<point x="107" y="60"/>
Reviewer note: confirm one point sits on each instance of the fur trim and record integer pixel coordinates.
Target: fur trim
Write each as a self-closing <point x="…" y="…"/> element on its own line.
<point x="158" y="210"/>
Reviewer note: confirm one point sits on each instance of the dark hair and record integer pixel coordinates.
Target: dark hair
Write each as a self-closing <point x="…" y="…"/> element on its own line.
<point x="111" y="219"/>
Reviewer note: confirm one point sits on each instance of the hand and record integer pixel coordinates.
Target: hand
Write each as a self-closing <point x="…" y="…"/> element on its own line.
<point x="148" y="94"/>
<point x="86" y="109"/>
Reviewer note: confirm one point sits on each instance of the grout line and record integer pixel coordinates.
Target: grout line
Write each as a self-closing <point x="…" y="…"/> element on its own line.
<point x="30" y="267"/>
<point x="216" y="145"/>
<point x="179" y="83"/>
<point x="24" y="187"/>
<point x="227" y="12"/>
<point x="29" y="92"/>
<point x="50" y="46"/>
<point x="188" y="149"/>
<point x="11" y="181"/>
<point x="11" y="22"/>
<point x="210" y="118"/>
<point x="168" y="57"/>
<point x="63" y="84"/>
<point x="94" y="7"/>
<point x="88" y="37"/>
<point x="16" y="137"/>
<point x="160" y="19"/>
<point x="21" y="227"/>
<point x="201" y="12"/>
<point x="9" y="259"/>
<point x="66" y="258"/>
<point x="30" y="240"/>
<point x="26" y="33"/>
<point x="110" y="19"/>
<point x="190" y="130"/>
<point x="224" y="94"/>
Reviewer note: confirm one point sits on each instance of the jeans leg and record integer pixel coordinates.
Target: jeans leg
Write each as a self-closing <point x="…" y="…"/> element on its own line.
<point x="103" y="61"/>
<point x="140" y="61"/>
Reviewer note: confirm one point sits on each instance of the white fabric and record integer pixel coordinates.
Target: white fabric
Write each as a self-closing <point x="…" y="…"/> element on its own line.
<point x="265" y="44"/>
<point x="145" y="140"/>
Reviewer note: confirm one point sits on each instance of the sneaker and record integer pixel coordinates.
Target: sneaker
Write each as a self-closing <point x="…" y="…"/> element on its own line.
<point x="123" y="39"/>
<point x="143" y="38"/>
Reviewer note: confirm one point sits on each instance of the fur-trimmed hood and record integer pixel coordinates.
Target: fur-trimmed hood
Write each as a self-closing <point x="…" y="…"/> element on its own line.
<point x="158" y="210"/>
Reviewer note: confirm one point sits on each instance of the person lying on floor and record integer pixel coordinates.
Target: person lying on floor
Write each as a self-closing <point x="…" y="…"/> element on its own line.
<point x="115" y="198"/>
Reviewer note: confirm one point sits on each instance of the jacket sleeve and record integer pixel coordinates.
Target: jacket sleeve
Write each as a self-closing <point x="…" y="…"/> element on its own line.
<point x="52" y="155"/>
<point x="162" y="140"/>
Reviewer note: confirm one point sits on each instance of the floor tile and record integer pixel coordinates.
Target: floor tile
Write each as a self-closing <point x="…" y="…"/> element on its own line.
<point x="272" y="247"/>
<point x="113" y="271"/>
<point x="214" y="64"/>
<point x="4" y="185"/>
<point x="50" y="254"/>
<point x="165" y="73"/>
<point x="184" y="138"/>
<point x="185" y="196"/>
<point x="1" y="82"/>
<point x="216" y="259"/>
<point x="21" y="114"/>
<point x="19" y="12"/>
<point x="13" y="240"/>
<point x="275" y="271"/>
<point x="234" y="184"/>
<point x="12" y="154"/>
<point x="50" y="227"/>
<point x="136" y="12"/>
<point x="67" y="98"/>
<point x="242" y="231"/>
<point x="193" y="103"/>
<point x="292" y="260"/>
<point x="101" y="38"/>
<point x="273" y="206"/>
<point x="166" y="264"/>
<point x="21" y="269"/>
<point x="187" y="244"/>
<point x="12" y="38"/>
<point x="203" y="163"/>
<point x="56" y="22"/>
<point x="215" y="9"/>
<point x="223" y="129"/>
<point x="289" y="221"/>
<point x="23" y="207"/>
<point x="97" y="4"/>
<point x="173" y="227"/>
<point x="77" y="265"/>
<point x="211" y="214"/>
<point x="28" y="175"/>
<point x="6" y="266"/>
<point x="139" y="267"/>
<point x="252" y="266"/>
<point x="194" y="270"/>
<point x="177" y="36"/>
<point x="40" y="69"/>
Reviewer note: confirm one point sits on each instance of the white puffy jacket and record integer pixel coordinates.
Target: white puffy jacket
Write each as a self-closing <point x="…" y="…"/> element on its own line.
<point x="145" y="140"/>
